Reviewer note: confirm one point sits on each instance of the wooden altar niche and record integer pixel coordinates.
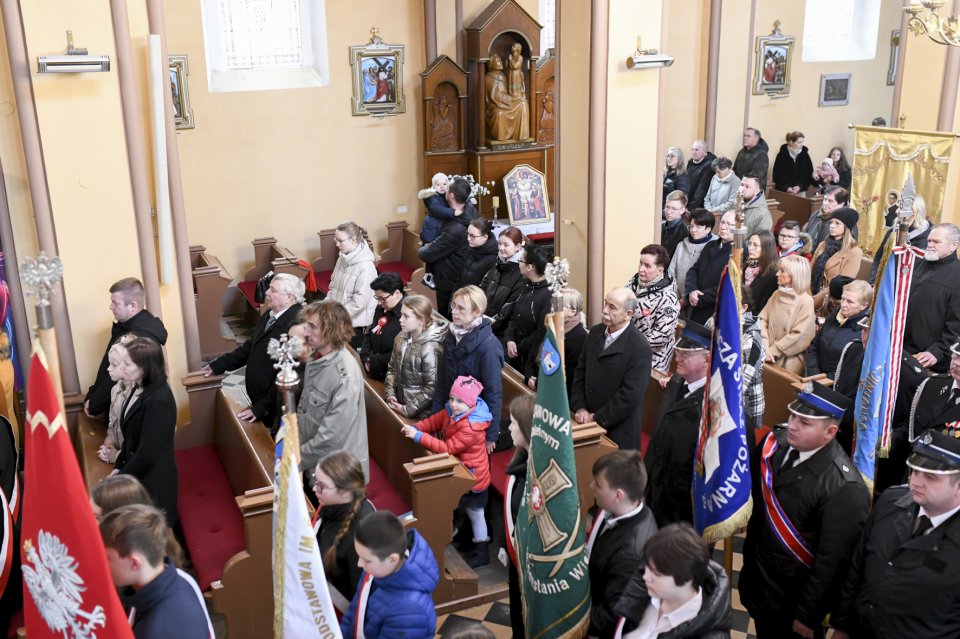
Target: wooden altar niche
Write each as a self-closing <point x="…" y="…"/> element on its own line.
<point x="444" y="90"/>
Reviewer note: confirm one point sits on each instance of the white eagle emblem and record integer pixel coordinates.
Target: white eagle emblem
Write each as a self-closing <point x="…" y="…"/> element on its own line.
<point x="55" y="587"/>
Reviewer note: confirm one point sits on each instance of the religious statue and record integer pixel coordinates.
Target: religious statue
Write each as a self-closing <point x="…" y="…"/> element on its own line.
<point x="516" y="85"/>
<point x="508" y="118"/>
<point x="443" y="136"/>
<point x="545" y="134"/>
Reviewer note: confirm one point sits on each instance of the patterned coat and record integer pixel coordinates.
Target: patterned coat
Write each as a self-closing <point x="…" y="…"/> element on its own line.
<point x="656" y="317"/>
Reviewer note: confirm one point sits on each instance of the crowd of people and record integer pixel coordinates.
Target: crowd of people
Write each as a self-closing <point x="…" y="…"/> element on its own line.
<point x="813" y="548"/>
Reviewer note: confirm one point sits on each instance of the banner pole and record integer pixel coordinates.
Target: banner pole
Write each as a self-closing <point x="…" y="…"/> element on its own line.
<point x="41" y="278"/>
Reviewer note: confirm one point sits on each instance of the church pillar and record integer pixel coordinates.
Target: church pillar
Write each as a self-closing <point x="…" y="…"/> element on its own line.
<point x="430" y="30"/>
<point x="459" y="34"/>
<point x="951" y="76"/>
<point x="713" y="71"/>
<point x="597" y="167"/>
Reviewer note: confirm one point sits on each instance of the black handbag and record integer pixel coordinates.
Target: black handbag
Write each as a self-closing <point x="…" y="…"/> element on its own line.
<point x="260" y="294"/>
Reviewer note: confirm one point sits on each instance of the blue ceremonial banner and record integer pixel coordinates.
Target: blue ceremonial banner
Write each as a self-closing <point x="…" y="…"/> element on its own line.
<point x="880" y="373"/>
<point x="721" y="475"/>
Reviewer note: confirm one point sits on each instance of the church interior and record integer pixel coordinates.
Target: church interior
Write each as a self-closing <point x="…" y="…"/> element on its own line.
<point x="255" y="163"/>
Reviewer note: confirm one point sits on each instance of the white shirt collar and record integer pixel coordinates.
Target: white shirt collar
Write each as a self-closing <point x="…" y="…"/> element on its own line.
<point x="654" y="624"/>
<point x="276" y="316"/>
<point x="611" y="521"/>
<point x="939" y="519"/>
<point x="612" y="337"/>
<point x="805" y="455"/>
<point x="693" y="387"/>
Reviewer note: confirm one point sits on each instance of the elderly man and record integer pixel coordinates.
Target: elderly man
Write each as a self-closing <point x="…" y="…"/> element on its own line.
<point x="933" y="308"/>
<point x="903" y="579"/>
<point x="700" y="170"/>
<point x="756" y="214"/>
<point x="613" y="371"/>
<point x="127" y="299"/>
<point x="752" y="159"/>
<point x="283" y="298"/>
<point x="669" y="456"/>
<point x="809" y="507"/>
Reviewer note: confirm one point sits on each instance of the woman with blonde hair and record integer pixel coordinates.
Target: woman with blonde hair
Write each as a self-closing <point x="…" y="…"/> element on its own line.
<point x="919" y="230"/>
<point x="787" y="322"/>
<point x="839" y="329"/>
<point x="340" y="491"/>
<point x="412" y="371"/>
<point x="675" y="176"/>
<point x="836" y="255"/>
<point x="352" y="274"/>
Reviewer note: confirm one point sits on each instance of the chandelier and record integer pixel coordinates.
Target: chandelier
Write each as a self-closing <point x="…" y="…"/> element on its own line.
<point x="941" y="30"/>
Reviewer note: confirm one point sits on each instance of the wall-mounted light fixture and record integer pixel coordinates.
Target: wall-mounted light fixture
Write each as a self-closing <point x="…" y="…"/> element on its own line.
<point x="648" y="58"/>
<point x="75" y="61"/>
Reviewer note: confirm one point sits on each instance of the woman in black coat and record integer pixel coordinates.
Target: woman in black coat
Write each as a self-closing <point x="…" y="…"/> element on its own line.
<point x="503" y="283"/>
<point x="840" y="329"/>
<point x="760" y="269"/>
<point x="482" y="254"/>
<point x="148" y="422"/>
<point x="793" y="168"/>
<point x="675" y="176"/>
<point x="526" y="329"/>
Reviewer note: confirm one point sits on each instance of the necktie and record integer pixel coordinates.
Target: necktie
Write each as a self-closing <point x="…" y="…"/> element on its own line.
<point x="955" y="396"/>
<point x="921" y="526"/>
<point x="270" y="322"/>
<point x="684" y="389"/>
<point x="792" y="457"/>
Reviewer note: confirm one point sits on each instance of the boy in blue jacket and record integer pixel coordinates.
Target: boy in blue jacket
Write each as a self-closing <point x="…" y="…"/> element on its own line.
<point x="394" y="597"/>
<point x="163" y="602"/>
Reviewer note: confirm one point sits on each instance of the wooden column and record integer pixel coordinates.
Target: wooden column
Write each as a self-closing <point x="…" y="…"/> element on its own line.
<point x="713" y="72"/>
<point x="430" y="30"/>
<point x="181" y="244"/>
<point x="12" y="265"/>
<point x="597" y="174"/>
<point x="37" y="176"/>
<point x="136" y="155"/>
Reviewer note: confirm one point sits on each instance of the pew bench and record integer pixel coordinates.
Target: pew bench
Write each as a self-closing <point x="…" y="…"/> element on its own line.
<point x="225" y="470"/>
<point x="269" y="257"/>
<point x="323" y="265"/>
<point x="88" y="437"/>
<point x="400" y="256"/>
<point x="210" y="283"/>
<point x="431" y="484"/>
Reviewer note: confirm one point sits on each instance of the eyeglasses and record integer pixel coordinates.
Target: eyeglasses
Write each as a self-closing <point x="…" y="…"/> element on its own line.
<point x="474" y="237"/>
<point x="521" y="261"/>
<point x="324" y="487"/>
<point x="383" y="298"/>
<point x="784" y="236"/>
<point x="456" y="307"/>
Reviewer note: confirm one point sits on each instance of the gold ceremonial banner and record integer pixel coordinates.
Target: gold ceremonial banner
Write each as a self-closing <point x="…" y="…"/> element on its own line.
<point x="882" y="159"/>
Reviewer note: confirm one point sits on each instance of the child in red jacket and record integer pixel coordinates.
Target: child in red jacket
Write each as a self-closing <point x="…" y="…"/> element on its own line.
<point x="462" y="425"/>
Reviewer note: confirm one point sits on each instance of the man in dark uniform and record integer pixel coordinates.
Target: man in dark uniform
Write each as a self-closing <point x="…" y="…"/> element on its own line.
<point x="809" y="507"/>
<point x="937" y="403"/>
<point x="284" y="299"/>
<point x="903" y="579"/>
<point x="669" y="456"/>
<point x="890" y="470"/>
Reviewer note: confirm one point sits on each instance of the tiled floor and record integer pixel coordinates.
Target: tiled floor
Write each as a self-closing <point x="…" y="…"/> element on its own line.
<point x="496" y="616"/>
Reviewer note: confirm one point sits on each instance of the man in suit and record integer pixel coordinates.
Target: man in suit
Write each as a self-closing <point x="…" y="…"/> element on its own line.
<point x="669" y="456"/>
<point x="933" y="308"/>
<point x="620" y="530"/>
<point x="284" y="299"/>
<point x="613" y="371"/>
<point x="127" y="299"/>
<point x="903" y="580"/>
<point x="809" y="507"/>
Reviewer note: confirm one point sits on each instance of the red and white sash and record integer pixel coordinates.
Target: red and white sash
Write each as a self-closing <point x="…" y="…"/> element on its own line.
<point x="595" y="530"/>
<point x="15" y="497"/>
<point x="508" y="524"/>
<point x="362" y="601"/>
<point x="782" y="526"/>
<point x="618" y="633"/>
<point x="316" y="521"/>
<point x="7" y="543"/>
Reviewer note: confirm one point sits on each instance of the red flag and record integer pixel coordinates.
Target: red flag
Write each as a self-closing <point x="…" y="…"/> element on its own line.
<point x="68" y="591"/>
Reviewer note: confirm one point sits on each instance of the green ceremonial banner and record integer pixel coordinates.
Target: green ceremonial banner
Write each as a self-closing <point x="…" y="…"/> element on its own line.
<point x="549" y="529"/>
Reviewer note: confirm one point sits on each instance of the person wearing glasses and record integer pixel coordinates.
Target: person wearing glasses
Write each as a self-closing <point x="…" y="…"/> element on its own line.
<point x="675" y="176"/>
<point x="672" y="229"/>
<point x="703" y="278"/>
<point x="526" y="330"/>
<point x="482" y="254"/>
<point x="792" y="241"/>
<point x="378" y="338"/>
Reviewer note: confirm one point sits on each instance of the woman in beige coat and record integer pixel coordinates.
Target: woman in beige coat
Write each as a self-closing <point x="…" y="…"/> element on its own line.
<point x="836" y="255"/>
<point x="355" y="269"/>
<point x="787" y="322"/>
<point x="412" y="372"/>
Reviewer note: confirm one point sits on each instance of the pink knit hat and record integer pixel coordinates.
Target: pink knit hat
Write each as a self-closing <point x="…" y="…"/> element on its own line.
<point x="466" y="389"/>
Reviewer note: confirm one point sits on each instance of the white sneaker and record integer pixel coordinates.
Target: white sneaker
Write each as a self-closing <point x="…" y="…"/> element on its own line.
<point x="428" y="281"/>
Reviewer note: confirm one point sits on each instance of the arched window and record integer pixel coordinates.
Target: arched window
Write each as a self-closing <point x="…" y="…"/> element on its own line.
<point x="548" y="18"/>
<point x="840" y="30"/>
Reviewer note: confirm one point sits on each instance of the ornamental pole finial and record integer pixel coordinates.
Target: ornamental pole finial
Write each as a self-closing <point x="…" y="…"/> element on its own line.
<point x="42" y="278"/>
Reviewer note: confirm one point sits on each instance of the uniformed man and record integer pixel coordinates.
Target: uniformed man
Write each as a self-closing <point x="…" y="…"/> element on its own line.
<point x="903" y="579"/>
<point x="891" y="470"/>
<point x="937" y="403"/>
<point x="809" y="507"/>
<point x="669" y="456"/>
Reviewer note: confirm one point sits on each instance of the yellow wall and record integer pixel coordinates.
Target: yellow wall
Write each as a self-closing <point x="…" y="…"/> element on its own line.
<point x="732" y="76"/>
<point x="688" y="40"/>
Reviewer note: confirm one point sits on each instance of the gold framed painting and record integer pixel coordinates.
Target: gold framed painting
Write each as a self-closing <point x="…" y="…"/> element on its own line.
<point x="377" y="78"/>
<point x="527" y="200"/>
<point x="773" y="62"/>
<point x="178" y="72"/>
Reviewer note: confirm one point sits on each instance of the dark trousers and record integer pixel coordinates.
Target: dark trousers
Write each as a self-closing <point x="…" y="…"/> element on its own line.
<point x="443" y="303"/>
<point x="780" y="627"/>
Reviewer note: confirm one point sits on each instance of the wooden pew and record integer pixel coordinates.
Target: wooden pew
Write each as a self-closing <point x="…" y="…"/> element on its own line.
<point x="267" y="257"/>
<point x="88" y="437"/>
<point x="411" y="248"/>
<point x="795" y="207"/>
<point x="431" y="484"/>
<point x="780" y="387"/>
<point x="210" y="283"/>
<point x="323" y="265"/>
<point x="243" y="593"/>
<point x="400" y="256"/>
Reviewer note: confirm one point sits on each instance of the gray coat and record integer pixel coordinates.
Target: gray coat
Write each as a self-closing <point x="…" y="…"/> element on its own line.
<point x="412" y="372"/>
<point x="684" y="258"/>
<point x="756" y="216"/>
<point x="331" y="415"/>
<point x="722" y="194"/>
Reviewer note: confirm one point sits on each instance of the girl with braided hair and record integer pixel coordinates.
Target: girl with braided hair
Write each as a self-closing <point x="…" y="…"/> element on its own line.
<point x="353" y="272"/>
<point x="343" y="503"/>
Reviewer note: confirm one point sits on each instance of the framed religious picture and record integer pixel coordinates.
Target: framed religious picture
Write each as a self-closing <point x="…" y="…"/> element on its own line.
<point x="774" y="59"/>
<point x="834" y="89"/>
<point x="526" y="190"/>
<point x="178" y="72"/>
<point x="377" y="78"/>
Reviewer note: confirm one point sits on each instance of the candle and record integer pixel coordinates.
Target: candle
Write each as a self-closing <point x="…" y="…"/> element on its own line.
<point x="496" y="201"/>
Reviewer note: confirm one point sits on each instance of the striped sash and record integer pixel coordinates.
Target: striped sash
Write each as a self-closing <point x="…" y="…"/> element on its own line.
<point x="781" y="525"/>
<point x="508" y="523"/>
<point x="362" y="600"/>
